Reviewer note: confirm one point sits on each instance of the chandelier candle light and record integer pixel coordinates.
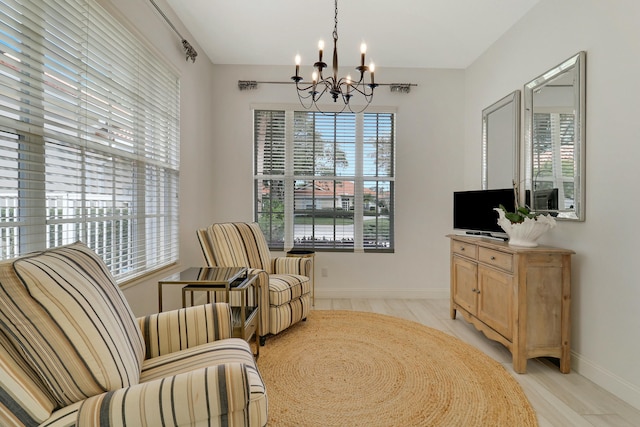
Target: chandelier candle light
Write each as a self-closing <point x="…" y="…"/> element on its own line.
<point x="343" y="87"/>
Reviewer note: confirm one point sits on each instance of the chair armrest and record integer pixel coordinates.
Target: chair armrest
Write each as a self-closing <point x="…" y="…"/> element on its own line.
<point x="175" y="330"/>
<point x="291" y="265"/>
<point x="218" y="393"/>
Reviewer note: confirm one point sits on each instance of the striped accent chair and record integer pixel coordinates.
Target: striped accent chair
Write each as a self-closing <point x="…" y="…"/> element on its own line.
<point x="73" y="354"/>
<point x="283" y="281"/>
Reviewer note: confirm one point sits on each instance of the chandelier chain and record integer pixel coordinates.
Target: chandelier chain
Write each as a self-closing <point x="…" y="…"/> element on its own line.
<point x="335" y="21"/>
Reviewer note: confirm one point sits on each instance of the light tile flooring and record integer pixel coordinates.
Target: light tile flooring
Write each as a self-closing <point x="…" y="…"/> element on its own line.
<point x="559" y="400"/>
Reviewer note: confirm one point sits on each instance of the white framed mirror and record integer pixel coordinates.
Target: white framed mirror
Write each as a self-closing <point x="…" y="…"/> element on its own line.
<point x="501" y="143"/>
<point x="554" y="114"/>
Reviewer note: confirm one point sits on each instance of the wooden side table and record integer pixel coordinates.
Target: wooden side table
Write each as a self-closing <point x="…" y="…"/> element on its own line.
<point x="307" y="253"/>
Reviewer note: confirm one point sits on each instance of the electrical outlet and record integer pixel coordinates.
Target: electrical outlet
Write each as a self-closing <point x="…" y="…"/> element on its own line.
<point x="324" y="272"/>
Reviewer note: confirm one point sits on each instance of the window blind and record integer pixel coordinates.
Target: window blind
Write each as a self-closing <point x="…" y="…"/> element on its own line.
<point x="325" y="181"/>
<point x="554" y="155"/>
<point x="89" y="137"/>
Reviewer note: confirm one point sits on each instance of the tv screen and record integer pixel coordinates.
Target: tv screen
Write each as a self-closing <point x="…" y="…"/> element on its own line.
<point x="473" y="210"/>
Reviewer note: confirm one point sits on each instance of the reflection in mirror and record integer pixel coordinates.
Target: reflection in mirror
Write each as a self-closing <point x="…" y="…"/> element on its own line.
<point x="554" y="140"/>
<point x="501" y="143"/>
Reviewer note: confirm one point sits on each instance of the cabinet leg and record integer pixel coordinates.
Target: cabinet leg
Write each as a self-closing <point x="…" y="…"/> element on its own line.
<point x="452" y="313"/>
<point x="565" y="364"/>
<point x="520" y="365"/>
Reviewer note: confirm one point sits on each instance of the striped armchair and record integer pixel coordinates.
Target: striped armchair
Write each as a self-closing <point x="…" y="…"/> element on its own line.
<point x="72" y="353"/>
<point x="283" y="281"/>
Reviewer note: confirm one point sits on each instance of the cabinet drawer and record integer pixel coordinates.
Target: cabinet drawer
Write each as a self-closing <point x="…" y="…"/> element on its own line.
<point x="497" y="259"/>
<point x="468" y="250"/>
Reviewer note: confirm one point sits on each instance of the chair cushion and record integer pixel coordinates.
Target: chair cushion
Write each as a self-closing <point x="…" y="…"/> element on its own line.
<point x="73" y="323"/>
<point x="284" y="288"/>
<point x="23" y="400"/>
<point x="227" y="351"/>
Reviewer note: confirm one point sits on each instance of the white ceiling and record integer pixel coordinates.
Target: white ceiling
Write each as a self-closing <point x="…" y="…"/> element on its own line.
<point x="398" y="33"/>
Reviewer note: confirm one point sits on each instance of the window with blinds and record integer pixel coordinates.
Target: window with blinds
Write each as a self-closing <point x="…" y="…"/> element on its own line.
<point x="89" y="137"/>
<point x="325" y="181"/>
<point x="554" y="156"/>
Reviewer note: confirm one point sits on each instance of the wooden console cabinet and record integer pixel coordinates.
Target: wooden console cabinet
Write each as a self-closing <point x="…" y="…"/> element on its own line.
<point x="517" y="296"/>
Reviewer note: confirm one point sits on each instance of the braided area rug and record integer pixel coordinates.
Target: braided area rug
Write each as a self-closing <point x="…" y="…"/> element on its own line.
<point x="346" y="368"/>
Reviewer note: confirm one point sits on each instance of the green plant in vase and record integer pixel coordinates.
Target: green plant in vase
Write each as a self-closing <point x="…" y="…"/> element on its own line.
<point x="523" y="226"/>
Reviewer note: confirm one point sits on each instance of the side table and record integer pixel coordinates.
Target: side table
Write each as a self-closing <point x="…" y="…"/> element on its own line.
<point x="237" y="287"/>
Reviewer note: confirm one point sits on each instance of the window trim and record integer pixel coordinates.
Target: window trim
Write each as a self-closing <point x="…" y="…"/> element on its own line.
<point x="358" y="178"/>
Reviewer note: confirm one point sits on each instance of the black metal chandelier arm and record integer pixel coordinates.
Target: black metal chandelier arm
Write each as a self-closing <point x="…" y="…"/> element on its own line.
<point x="340" y="88"/>
<point x="362" y="90"/>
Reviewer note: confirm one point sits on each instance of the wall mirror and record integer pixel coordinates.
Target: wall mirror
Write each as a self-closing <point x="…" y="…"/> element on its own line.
<point x="501" y="143"/>
<point x="554" y="135"/>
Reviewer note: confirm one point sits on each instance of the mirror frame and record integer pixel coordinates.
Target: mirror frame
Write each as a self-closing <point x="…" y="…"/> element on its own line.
<point x="512" y="99"/>
<point x="576" y="65"/>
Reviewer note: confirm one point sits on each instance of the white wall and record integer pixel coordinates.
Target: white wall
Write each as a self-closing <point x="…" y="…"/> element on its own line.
<point x="606" y="290"/>
<point x="429" y="168"/>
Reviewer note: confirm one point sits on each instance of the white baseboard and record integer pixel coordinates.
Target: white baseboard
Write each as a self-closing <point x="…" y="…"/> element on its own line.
<point x="609" y="381"/>
<point x="339" y="293"/>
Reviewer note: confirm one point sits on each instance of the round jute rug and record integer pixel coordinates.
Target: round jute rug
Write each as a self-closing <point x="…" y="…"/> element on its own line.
<point x="346" y="368"/>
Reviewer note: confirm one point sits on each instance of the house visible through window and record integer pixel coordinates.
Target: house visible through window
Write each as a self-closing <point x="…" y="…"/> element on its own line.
<point x="89" y="137"/>
<point x="325" y="181"/>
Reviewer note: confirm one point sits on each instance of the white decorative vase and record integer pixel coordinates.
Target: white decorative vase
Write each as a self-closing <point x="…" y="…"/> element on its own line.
<point x="525" y="233"/>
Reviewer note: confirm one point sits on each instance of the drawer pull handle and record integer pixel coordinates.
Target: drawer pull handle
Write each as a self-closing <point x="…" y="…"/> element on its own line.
<point x="493" y="258"/>
<point x="462" y="249"/>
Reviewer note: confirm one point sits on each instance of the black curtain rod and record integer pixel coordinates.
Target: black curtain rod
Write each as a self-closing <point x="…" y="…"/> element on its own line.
<point x="289" y="83"/>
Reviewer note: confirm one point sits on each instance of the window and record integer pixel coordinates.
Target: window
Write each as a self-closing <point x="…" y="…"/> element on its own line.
<point x="553" y="156"/>
<point x="325" y="181"/>
<point x="89" y="137"/>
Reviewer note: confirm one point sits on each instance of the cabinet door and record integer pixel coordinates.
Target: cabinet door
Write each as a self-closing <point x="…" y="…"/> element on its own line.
<point x="464" y="280"/>
<point x="496" y="300"/>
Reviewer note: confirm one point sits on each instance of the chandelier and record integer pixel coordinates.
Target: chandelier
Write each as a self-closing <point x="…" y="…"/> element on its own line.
<point x="343" y="88"/>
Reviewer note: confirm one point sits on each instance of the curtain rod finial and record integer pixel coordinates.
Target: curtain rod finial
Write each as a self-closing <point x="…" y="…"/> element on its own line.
<point x="189" y="51"/>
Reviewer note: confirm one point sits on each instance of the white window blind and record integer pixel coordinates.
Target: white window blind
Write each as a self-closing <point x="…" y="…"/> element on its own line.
<point x="89" y="137"/>
<point x="554" y="156"/>
<point x="325" y="181"/>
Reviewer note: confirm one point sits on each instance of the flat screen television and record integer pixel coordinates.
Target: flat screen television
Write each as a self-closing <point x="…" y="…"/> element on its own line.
<point x="473" y="210"/>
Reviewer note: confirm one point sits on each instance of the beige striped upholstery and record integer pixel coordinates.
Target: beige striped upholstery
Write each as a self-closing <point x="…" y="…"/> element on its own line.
<point x="284" y="281"/>
<point x="73" y="324"/>
<point x="71" y="353"/>
<point x="23" y="397"/>
<point x="65" y="417"/>
<point x="185" y="400"/>
<point x="176" y="330"/>
<point x="222" y="352"/>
